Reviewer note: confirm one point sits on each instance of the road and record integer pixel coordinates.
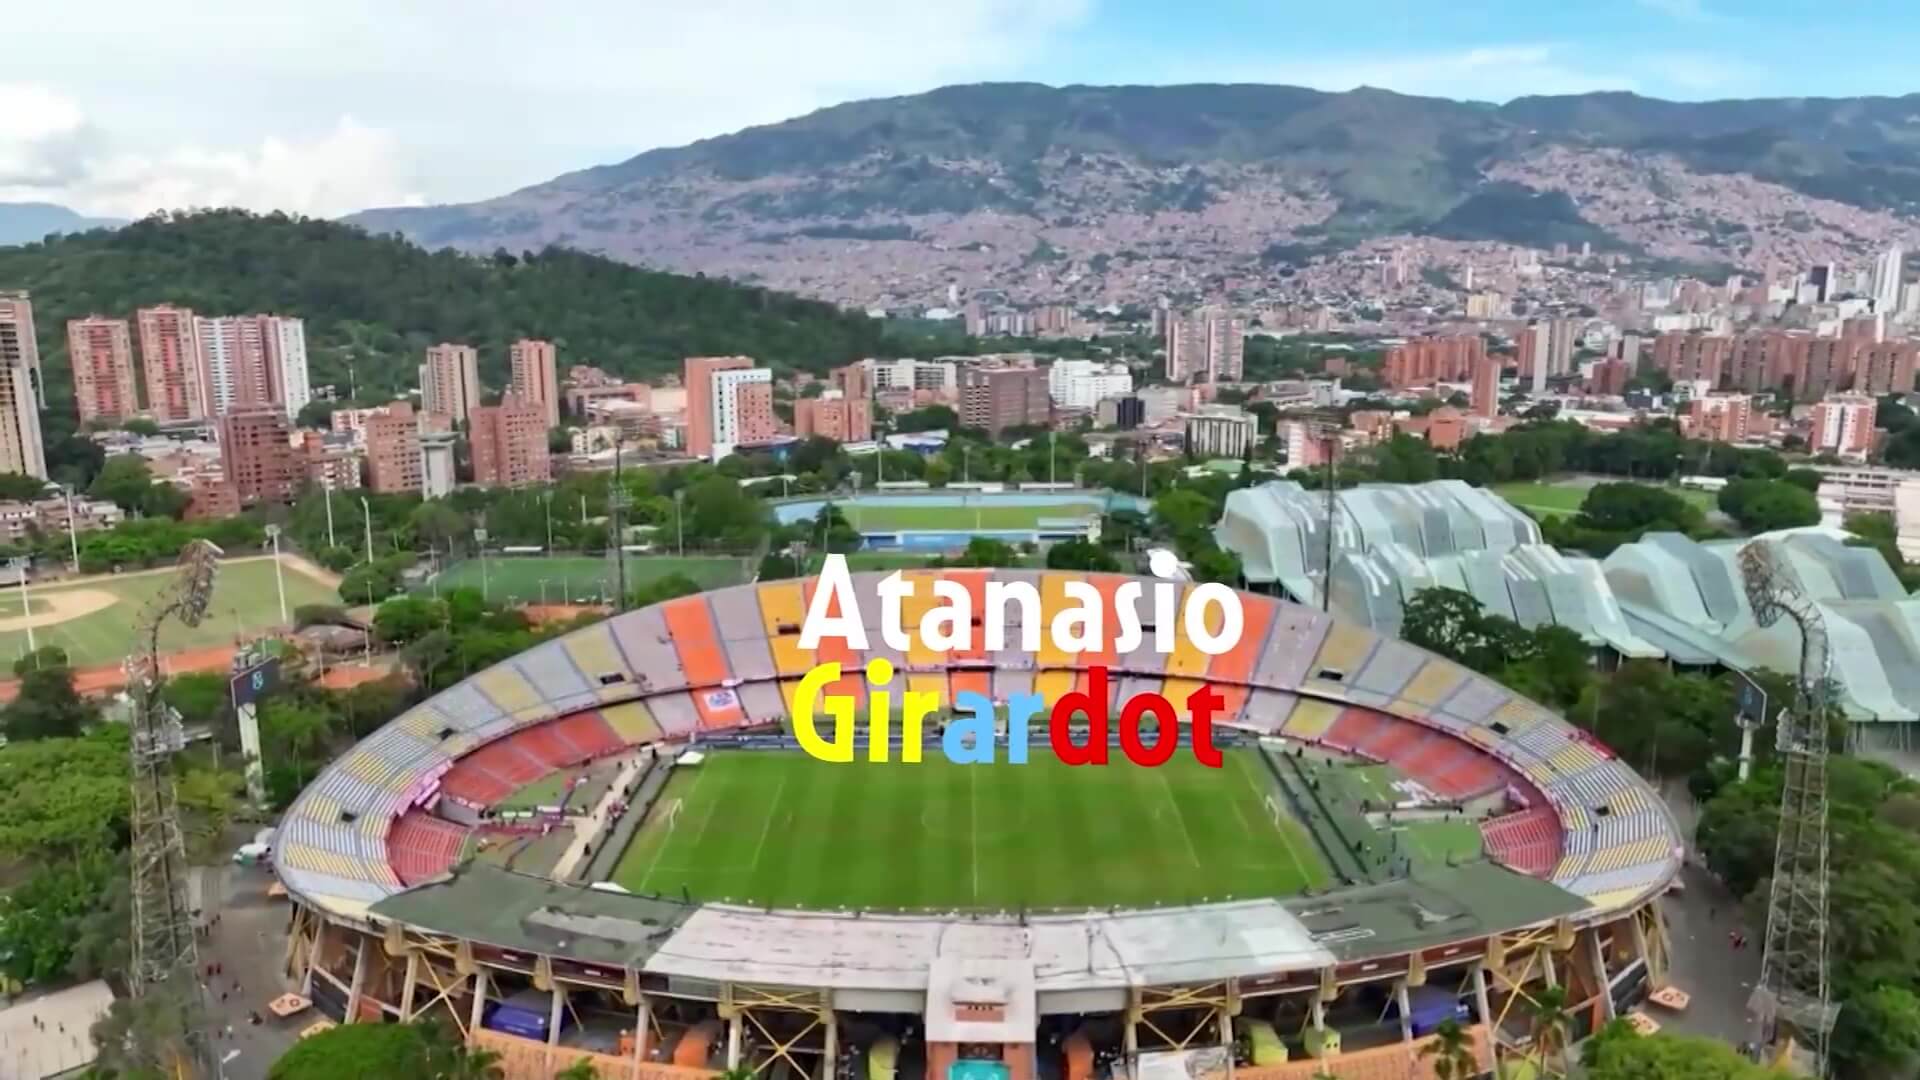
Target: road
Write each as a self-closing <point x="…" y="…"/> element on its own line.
<point x="248" y="941"/>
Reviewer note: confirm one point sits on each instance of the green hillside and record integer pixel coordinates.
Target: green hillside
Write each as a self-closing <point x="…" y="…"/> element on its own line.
<point x="377" y="301"/>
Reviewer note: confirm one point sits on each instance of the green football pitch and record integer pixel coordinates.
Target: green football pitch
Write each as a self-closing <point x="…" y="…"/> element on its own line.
<point x="978" y="515"/>
<point x="780" y="828"/>
<point x="579" y="578"/>
<point x="108" y="607"/>
<point x="1555" y="500"/>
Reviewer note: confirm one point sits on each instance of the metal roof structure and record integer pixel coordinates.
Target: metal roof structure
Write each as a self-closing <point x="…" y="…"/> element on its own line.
<point x="1663" y="596"/>
<point x="1393" y="540"/>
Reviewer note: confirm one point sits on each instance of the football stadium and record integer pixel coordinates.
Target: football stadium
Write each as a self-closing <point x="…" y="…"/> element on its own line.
<point x="610" y="847"/>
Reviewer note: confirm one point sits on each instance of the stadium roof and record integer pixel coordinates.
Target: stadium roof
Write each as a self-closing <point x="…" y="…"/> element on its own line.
<point x="1393" y="540"/>
<point x="1662" y="596"/>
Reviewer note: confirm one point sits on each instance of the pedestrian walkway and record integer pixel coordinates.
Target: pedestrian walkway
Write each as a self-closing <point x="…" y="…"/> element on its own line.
<point x="592" y="826"/>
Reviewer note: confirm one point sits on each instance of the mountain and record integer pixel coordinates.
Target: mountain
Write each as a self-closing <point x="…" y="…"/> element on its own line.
<point x="30" y="222"/>
<point x="377" y="302"/>
<point x="1100" y="192"/>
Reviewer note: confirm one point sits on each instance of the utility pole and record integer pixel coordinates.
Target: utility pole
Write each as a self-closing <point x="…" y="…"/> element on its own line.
<point x="73" y="538"/>
<point x="616" y="507"/>
<point x="328" y="489"/>
<point x="547" y="498"/>
<point x="279" y="583"/>
<point x="366" y="518"/>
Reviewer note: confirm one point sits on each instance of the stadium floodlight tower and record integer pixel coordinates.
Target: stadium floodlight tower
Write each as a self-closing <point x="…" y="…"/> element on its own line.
<point x="164" y="955"/>
<point x="1790" y="1003"/>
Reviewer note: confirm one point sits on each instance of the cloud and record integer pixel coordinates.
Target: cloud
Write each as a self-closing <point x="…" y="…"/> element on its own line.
<point x="57" y="155"/>
<point x="455" y="99"/>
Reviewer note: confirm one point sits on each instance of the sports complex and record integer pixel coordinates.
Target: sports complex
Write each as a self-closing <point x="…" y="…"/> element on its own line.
<point x="610" y="847"/>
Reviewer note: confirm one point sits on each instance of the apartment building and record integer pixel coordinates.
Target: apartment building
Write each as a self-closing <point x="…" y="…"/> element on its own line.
<point x="393" y="449"/>
<point x="101" y="351"/>
<point x="21" y="449"/>
<point x="729" y="404"/>
<point x="1082" y="384"/>
<point x="1485" y="398"/>
<point x="170" y="358"/>
<point x="1719" y="417"/>
<point x="450" y="381"/>
<point x="253" y="362"/>
<point x="993" y="399"/>
<point x="533" y="376"/>
<point x="1843" y="425"/>
<point x="257" y="455"/>
<point x="843" y="412"/>
<point x="1425" y="361"/>
<point x="1221" y="432"/>
<point x="509" y="443"/>
<point x="1208" y="342"/>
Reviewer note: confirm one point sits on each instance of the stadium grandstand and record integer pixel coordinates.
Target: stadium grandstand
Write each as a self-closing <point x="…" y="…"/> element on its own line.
<point x="1663" y="596"/>
<point x="416" y="896"/>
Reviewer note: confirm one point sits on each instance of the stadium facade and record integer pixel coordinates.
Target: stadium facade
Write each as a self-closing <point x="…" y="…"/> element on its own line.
<point x="1664" y="596"/>
<point x="392" y="922"/>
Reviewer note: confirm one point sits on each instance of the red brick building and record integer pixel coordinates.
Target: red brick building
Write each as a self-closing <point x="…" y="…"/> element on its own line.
<point x="510" y="444"/>
<point x="393" y="450"/>
<point x="258" y="457"/>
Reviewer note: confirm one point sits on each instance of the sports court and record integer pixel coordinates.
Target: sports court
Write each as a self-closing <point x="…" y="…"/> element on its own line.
<point x="575" y="579"/>
<point x="780" y="828"/>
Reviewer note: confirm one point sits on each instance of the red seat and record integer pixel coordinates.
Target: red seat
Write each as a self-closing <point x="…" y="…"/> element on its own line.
<point x="421" y="846"/>
<point x="1528" y="842"/>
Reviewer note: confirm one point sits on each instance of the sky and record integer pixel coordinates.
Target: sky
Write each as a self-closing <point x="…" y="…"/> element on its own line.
<point x="123" y="107"/>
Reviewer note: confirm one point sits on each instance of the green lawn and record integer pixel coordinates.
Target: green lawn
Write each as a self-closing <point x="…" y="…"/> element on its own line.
<point x="244" y="603"/>
<point x="982" y="515"/>
<point x="1548" y="499"/>
<point x="1555" y="500"/>
<point x="577" y="578"/>
<point x="781" y="828"/>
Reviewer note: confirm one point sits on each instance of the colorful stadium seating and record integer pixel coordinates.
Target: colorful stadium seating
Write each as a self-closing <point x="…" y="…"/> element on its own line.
<point x="730" y="658"/>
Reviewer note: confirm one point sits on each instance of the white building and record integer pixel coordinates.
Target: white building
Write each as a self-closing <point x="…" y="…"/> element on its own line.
<point x="1221" y="433"/>
<point x="726" y="405"/>
<point x="436" y="463"/>
<point x="940" y="376"/>
<point x="1080" y="384"/>
<point x="1888" y="271"/>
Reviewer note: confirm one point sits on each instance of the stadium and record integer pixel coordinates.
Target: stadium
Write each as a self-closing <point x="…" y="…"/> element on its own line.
<point x="609" y="848"/>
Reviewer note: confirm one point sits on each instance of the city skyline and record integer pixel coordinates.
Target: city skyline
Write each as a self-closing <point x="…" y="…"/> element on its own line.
<point x="127" y="136"/>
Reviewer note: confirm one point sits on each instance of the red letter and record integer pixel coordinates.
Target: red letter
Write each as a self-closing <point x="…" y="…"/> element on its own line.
<point x="1094" y="704"/>
<point x="1203" y="703"/>
<point x="1169" y="739"/>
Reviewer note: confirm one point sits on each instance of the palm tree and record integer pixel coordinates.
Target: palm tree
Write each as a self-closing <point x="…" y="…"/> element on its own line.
<point x="580" y="1070"/>
<point x="1550" y="1023"/>
<point x="738" y="1072"/>
<point x="1452" y="1052"/>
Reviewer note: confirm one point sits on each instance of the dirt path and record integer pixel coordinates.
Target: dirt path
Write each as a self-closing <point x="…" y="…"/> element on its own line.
<point x="297" y="563"/>
<point x="59" y="606"/>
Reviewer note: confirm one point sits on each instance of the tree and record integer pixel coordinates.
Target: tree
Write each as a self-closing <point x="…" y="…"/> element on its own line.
<point x="662" y="589"/>
<point x="1078" y="554"/>
<point x="986" y="551"/>
<point x="292" y="731"/>
<point x="1618" y="1052"/>
<point x="1807" y="480"/>
<point x="929" y="418"/>
<point x="199" y="696"/>
<point x="1452" y="1052"/>
<point x="145" y="1036"/>
<point x="1183" y="511"/>
<point x="1637" y="508"/>
<point x="47" y="706"/>
<point x="353" y="1051"/>
<point x="123" y="481"/>
<point x="1765" y="505"/>
<point x="16" y="487"/>
<point x="405" y="618"/>
<point x="1551" y="1023"/>
<point x="583" y="1069"/>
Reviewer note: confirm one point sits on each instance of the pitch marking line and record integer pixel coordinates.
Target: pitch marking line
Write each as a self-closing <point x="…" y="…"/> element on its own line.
<point x="973" y="830"/>
<point x="767" y="826"/>
<point x="647" y="878"/>
<point x="1173" y="802"/>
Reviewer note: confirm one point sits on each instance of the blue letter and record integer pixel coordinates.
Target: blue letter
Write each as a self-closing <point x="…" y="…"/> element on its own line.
<point x="1020" y="709"/>
<point x="978" y="727"/>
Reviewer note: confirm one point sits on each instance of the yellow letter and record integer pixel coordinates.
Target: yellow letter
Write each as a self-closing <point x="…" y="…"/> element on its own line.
<point x="838" y="706"/>
<point x="879" y="708"/>
<point x="915" y="706"/>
